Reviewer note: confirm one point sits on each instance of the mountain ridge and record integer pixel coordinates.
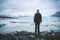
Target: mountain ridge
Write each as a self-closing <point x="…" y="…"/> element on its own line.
<point x="57" y="14"/>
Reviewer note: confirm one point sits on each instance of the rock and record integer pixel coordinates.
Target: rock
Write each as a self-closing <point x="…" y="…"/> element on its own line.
<point x="23" y="36"/>
<point x="1" y="25"/>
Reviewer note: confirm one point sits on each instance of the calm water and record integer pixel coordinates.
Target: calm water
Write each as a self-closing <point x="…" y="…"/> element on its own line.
<point x="27" y="24"/>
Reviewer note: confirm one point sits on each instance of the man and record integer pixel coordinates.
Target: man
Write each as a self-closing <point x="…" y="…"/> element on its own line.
<point x="37" y="21"/>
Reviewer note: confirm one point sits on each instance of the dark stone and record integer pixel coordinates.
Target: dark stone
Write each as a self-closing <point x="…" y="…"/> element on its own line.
<point x="1" y="25"/>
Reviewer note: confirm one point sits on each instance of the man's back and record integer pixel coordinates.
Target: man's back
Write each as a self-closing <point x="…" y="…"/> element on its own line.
<point x="37" y="17"/>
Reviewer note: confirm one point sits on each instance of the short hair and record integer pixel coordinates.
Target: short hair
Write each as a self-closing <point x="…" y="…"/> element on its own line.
<point x="37" y="10"/>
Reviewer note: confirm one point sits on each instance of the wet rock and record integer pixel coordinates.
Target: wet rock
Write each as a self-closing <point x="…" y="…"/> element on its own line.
<point x="1" y="25"/>
<point x="23" y="35"/>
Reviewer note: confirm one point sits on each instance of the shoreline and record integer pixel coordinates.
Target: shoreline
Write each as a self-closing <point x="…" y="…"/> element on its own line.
<point x="24" y="35"/>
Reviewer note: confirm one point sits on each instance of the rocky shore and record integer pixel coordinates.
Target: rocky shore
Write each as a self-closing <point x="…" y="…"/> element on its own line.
<point x="24" y="35"/>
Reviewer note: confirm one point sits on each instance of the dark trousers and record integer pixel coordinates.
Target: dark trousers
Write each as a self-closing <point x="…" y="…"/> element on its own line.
<point x="37" y="27"/>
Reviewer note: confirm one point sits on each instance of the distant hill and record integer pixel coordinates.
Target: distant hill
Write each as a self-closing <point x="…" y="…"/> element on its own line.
<point x="57" y="14"/>
<point x="3" y="16"/>
<point x="24" y="16"/>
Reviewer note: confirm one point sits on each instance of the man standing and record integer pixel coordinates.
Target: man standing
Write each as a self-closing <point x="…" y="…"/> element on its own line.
<point x="37" y="21"/>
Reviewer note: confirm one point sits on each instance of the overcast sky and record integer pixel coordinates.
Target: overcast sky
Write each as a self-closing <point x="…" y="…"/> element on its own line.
<point x="29" y="7"/>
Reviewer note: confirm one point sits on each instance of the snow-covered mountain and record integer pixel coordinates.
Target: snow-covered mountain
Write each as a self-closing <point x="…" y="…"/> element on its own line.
<point x="57" y="14"/>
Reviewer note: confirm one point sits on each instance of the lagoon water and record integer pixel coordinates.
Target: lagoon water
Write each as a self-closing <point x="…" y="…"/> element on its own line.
<point x="27" y="24"/>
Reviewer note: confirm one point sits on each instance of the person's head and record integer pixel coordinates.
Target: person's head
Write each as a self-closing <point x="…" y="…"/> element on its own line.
<point x="37" y="11"/>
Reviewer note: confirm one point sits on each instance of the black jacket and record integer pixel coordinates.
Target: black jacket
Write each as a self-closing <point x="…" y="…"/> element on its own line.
<point x="38" y="17"/>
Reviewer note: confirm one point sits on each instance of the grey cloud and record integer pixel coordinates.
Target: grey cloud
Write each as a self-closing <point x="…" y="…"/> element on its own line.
<point x="18" y="5"/>
<point x="2" y="5"/>
<point x="56" y="4"/>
